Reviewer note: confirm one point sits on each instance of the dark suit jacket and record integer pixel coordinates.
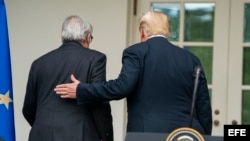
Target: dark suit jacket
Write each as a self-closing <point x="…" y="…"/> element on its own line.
<point x="157" y="79"/>
<point x="56" y="119"/>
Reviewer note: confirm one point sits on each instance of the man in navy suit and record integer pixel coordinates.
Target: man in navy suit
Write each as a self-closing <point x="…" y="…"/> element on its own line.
<point x="157" y="79"/>
<point x="55" y="119"/>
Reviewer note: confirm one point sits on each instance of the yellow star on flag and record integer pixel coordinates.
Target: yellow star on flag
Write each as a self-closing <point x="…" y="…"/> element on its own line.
<point x="5" y="99"/>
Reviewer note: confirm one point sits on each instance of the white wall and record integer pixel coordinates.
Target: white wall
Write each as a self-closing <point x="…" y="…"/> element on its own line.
<point x="34" y="29"/>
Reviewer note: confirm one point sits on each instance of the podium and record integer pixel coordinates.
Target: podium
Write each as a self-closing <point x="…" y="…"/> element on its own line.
<point x="137" y="136"/>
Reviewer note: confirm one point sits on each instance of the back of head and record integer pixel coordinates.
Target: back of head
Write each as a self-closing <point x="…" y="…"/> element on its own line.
<point x="75" y="28"/>
<point x="155" y="23"/>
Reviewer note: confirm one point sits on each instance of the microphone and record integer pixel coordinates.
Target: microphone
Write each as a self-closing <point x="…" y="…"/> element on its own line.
<point x="188" y="133"/>
<point x="197" y="75"/>
<point x="198" y="71"/>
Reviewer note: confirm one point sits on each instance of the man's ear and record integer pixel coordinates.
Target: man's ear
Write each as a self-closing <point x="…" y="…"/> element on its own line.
<point x="89" y="38"/>
<point x="142" y="35"/>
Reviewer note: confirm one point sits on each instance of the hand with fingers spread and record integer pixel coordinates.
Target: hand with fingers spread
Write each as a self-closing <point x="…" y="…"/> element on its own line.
<point x="67" y="90"/>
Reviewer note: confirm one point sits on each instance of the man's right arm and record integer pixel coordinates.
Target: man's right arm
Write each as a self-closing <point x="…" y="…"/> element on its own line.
<point x="29" y="106"/>
<point x="113" y="89"/>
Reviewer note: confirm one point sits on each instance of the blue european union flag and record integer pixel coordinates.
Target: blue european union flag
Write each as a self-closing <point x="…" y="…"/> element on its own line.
<point x="7" y="126"/>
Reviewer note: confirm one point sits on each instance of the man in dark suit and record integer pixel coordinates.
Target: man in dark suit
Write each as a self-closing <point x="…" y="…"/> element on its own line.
<point x="56" y="119"/>
<point x="157" y="80"/>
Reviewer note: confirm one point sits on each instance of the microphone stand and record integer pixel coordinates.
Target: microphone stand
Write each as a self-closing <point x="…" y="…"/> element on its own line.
<point x="188" y="133"/>
<point x="196" y="83"/>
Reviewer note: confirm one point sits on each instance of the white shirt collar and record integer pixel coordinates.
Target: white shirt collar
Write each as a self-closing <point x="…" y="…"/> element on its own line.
<point x="156" y="36"/>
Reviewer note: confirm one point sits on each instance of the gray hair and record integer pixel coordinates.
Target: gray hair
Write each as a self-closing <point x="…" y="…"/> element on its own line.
<point x="75" y="28"/>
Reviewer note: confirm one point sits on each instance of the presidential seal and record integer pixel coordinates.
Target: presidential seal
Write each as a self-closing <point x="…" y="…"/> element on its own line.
<point x="185" y="134"/>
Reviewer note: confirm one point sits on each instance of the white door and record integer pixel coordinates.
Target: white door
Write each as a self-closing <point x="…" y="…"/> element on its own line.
<point x="213" y="30"/>
<point x="239" y="63"/>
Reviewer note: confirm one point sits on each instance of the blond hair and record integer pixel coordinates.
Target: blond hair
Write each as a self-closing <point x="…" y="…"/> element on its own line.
<point x="155" y="23"/>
